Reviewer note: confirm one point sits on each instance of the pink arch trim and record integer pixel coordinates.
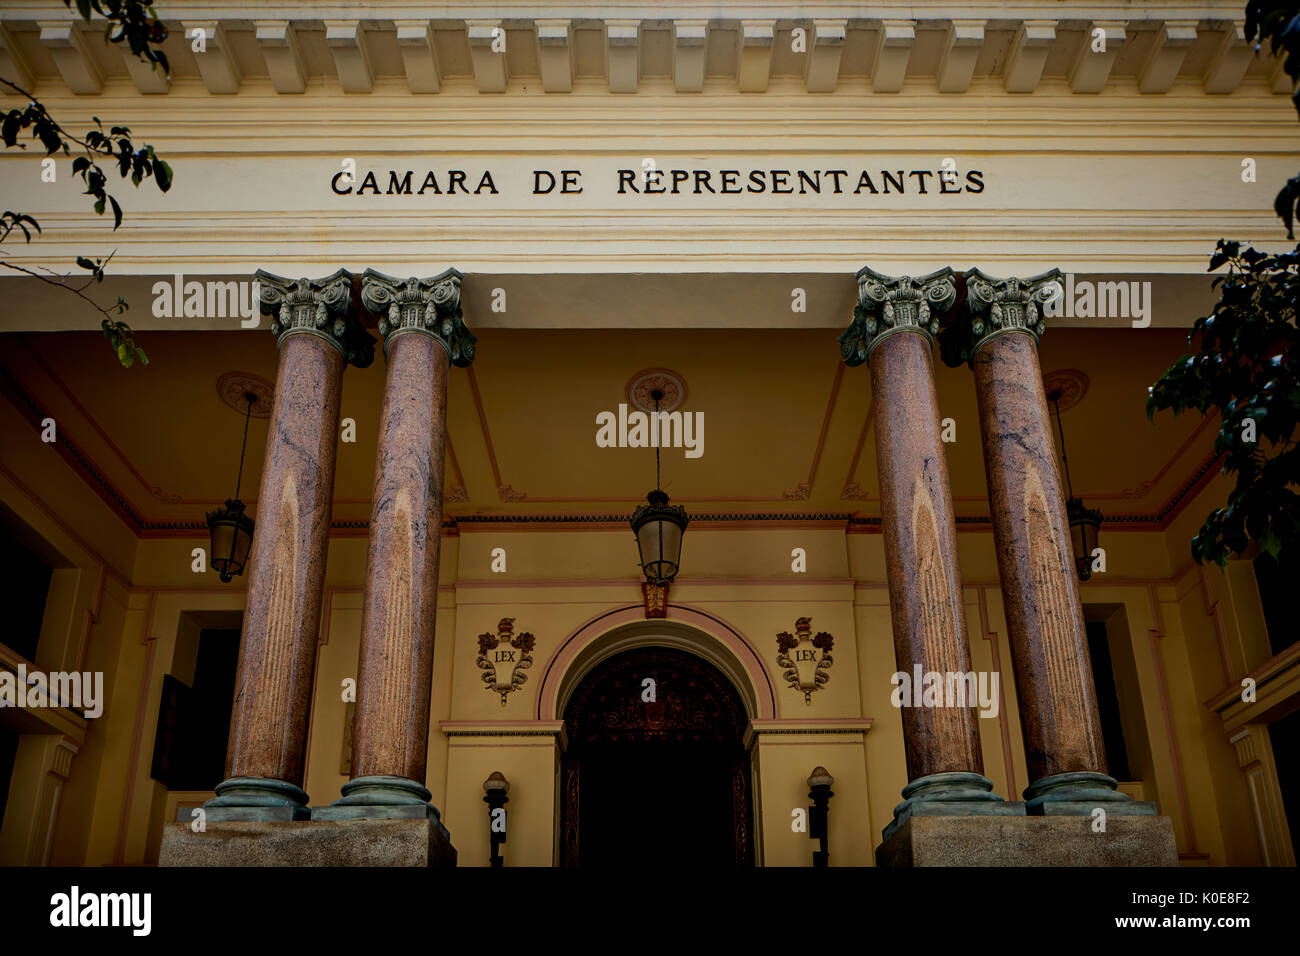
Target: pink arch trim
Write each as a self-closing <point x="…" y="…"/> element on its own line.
<point x="600" y="625"/>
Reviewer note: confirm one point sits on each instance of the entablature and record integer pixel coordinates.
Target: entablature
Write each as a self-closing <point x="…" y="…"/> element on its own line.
<point x="229" y="47"/>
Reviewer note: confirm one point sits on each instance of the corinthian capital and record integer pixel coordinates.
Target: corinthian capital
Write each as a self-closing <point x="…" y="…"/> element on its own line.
<point x="888" y="304"/>
<point x="320" y="307"/>
<point x="997" y="306"/>
<point x="429" y="306"/>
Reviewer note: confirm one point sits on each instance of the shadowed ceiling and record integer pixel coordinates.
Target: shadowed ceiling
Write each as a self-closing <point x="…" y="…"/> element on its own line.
<point x="786" y="426"/>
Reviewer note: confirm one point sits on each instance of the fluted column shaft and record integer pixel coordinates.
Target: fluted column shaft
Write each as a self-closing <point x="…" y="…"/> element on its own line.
<point x="920" y="538"/>
<point x="1040" y="591"/>
<point x="287" y="565"/>
<point x="395" y="669"/>
<point x="423" y="335"/>
<point x="277" y="654"/>
<point x="892" y="328"/>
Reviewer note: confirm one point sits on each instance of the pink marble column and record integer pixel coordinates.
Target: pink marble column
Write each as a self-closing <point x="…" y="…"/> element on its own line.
<point x="423" y="333"/>
<point x="277" y="654"/>
<point x="1040" y="590"/>
<point x="892" y="330"/>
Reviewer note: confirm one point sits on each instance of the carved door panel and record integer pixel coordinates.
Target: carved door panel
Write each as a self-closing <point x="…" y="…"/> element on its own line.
<point x="569" y="792"/>
<point x="660" y="781"/>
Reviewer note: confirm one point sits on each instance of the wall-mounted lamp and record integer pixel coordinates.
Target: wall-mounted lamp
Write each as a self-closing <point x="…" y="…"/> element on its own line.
<point x="496" y="787"/>
<point x="819" y="792"/>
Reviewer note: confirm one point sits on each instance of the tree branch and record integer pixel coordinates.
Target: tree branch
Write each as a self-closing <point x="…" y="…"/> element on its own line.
<point x="109" y="312"/>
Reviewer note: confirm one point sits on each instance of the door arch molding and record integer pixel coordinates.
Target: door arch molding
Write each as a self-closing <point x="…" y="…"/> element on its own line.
<point x="688" y="629"/>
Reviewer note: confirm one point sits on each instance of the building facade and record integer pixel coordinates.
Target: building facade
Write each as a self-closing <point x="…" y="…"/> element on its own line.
<point x="458" y="263"/>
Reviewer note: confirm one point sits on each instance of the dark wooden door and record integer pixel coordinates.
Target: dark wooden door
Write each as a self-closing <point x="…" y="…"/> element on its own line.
<point x="655" y="783"/>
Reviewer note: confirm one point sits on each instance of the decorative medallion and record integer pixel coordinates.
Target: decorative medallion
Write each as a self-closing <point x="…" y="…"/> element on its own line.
<point x="1072" y="383"/>
<point x="504" y="656"/>
<point x="798" y="655"/>
<point x="648" y="380"/>
<point x="232" y="386"/>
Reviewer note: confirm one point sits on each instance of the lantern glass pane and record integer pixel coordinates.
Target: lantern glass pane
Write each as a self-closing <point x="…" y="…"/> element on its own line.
<point x="1089" y="539"/>
<point x="223" y="542"/>
<point x="660" y="544"/>
<point x="243" y="542"/>
<point x="1078" y="542"/>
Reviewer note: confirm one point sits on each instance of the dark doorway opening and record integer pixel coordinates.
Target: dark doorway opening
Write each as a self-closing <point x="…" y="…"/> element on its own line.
<point x="194" y="720"/>
<point x="1284" y="735"/>
<point x="661" y="782"/>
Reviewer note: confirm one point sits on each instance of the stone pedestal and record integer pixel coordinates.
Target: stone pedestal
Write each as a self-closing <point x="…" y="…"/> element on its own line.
<point x="1029" y="841"/>
<point x="388" y="842"/>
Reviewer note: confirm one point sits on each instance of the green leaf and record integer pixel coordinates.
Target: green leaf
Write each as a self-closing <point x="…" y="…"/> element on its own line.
<point x="1270" y="543"/>
<point x="163" y="174"/>
<point x="117" y="212"/>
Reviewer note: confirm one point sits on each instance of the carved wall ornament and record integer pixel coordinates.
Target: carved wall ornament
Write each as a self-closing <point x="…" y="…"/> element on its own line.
<point x="656" y="599"/>
<point x="797" y="653"/>
<point x="888" y="304"/>
<point x="321" y="307"/>
<point x="504" y="656"/>
<point x="430" y="306"/>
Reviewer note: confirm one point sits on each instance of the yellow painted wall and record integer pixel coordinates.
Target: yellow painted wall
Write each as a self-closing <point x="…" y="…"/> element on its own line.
<point x="1192" y="632"/>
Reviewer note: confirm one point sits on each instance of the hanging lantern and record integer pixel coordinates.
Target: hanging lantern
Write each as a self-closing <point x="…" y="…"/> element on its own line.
<point x="1084" y="525"/>
<point x="658" y="527"/>
<point x="1085" y="522"/>
<point x="231" y="530"/>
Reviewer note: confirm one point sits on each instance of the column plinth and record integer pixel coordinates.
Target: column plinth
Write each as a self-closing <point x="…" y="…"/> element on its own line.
<point x="892" y="330"/>
<point x="423" y="334"/>
<point x="318" y="334"/>
<point x="1045" y="625"/>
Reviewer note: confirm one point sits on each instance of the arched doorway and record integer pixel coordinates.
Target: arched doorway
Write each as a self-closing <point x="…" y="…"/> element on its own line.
<point x="662" y="782"/>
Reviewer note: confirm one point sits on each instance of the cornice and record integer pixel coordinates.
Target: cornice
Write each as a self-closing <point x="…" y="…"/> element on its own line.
<point x="631" y="46"/>
<point x="250" y="10"/>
